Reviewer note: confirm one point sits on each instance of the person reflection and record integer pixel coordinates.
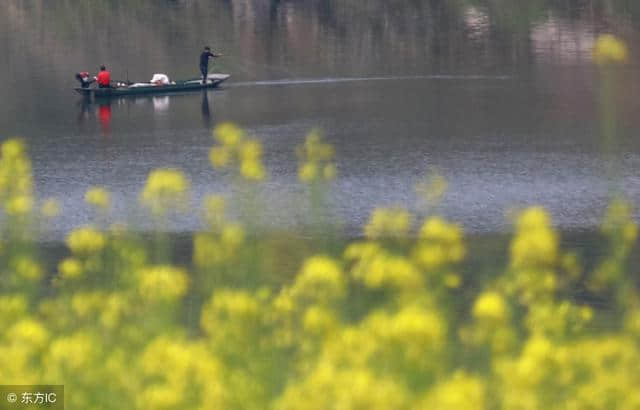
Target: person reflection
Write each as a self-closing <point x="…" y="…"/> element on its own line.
<point x="104" y="113"/>
<point x="85" y="110"/>
<point x="206" y="113"/>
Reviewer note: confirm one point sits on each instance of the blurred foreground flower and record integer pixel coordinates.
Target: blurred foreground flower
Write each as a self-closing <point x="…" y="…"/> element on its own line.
<point x="86" y="241"/>
<point x="235" y="151"/>
<point x="50" y="208"/>
<point x="388" y="223"/>
<point x="315" y="159"/>
<point x="166" y="190"/>
<point x="98" y="197"/>
<point x="162" y="283"/>
<point x="609" y="49"/>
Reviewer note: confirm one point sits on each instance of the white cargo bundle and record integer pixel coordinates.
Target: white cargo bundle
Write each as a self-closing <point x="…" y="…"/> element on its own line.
<point x="160" y="79"/>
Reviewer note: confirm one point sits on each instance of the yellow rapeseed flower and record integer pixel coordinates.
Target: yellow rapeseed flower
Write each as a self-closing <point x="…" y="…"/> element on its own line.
<point x="437" y="229"/>
<point x="50" y="208"/>
<point x="536" y="243"/>
<point x="98" y="197"/>
<point x="214" y="207"/>
<point x="12" y="149"/>
<point x="308" y="172"/>
<point x="165" y="189"/>
<point x="460" y="392"/>
<point x="490" y="306"/>
<point x="243" y="155"/>
<point x="432" y="189"/>
<point x="232" y="237"/>
<point x="609" y="49"/>
<point x="318" y="320"/>
<point x="388" y="223"/>
<point x="228" y="134"/>
<point x="28" y="331"/>
<point x="220" y="157"/>
<point x="86" y="241"/>
<point x="250" y="150"/>
<point x="252" y="170"/>
<point x="320" y="280"/>
<point x="329" y="172"/>
<point x="70" y="268"/>
<point x="377" y="268"/>
<point x="27" y="268"/>
<point x="315" y="159"/>
<point x="19" y="205"/>
<point x="418" y="329"/>
<point x="162" y="283"/>
<point x="75" y="352"/>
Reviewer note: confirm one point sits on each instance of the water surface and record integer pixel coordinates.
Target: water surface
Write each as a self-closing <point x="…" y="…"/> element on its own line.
<point x="501" y="102"/>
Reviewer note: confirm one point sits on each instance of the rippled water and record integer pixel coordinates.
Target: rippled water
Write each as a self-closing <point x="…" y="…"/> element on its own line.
<point x="503" y="103"/>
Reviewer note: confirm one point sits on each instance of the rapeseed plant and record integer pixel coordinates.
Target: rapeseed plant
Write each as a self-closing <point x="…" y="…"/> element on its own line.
<point x="387" y="322"/>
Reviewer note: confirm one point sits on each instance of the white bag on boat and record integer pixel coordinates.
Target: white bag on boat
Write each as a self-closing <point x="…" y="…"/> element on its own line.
<point x="160" y="79"/>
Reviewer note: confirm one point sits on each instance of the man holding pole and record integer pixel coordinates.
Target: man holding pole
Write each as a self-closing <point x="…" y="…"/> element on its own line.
<point x="204" y="62"/>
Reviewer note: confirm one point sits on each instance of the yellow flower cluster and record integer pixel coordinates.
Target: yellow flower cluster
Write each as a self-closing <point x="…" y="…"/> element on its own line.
<point x="344" y="388"/>
<point x="50" y="208"/>
<point x="609" y="49"/>
<point x="440" y="244"/>
<point x="534" y="255"/>
<point x="432" y="189"/>
<point x="315" y="158"/>
<point x="15" y="177"/>
<point x="379" y="268"/>
<point x="388" y="224"/>
<point x="222" y="241"/>
<point x="183" y="375"/>
<point x="490" y="306"/>
<point x="236" y="151"/>
<point x="70" y="268"/>
<point x="162" y="283"/>
<point x="461" y="392"/>
<point x="165" y="190"/>
<point x="86" y="241"/>
<point x="551" y="376"/>
<point x="211" y="249"/>
<point x="621" y="230"/>
<point x="27" y="268"/>
<point x="321" y="281"/>
<point x="214" y="207"/>
<point x="99" y="198"/>
<point x="371" y="324"/>
<point x="557" y="319"/>
<point x="16" y="183"/>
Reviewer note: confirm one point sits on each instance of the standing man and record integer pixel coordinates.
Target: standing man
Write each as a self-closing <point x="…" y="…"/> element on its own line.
<point x="204" y="62"/>
<point x="104" y="78"/>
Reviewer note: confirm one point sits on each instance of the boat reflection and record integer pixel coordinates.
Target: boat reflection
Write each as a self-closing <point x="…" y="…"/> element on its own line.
<point x="100" y="114"/>
<point x="160" y="104"/>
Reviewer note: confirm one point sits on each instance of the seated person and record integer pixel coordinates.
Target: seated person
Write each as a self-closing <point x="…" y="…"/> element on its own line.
<point x="85" y="80"/>
<point x="104" y="78"/>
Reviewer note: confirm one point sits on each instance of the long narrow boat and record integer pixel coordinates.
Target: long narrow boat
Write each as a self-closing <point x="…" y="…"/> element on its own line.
<point x="213" y="81"/>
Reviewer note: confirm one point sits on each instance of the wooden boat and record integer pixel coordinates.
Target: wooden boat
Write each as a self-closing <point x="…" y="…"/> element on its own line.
<point x="213" y="81"/>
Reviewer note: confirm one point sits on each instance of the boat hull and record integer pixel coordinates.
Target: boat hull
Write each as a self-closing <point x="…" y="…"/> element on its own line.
<point x="189" y="85"/>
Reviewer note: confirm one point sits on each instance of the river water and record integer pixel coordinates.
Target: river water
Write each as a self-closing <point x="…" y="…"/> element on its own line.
<point x="502" y="102"/>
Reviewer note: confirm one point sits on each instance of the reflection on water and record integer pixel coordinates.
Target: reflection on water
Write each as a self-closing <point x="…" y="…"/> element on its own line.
<point x="497" y="96"/>
<point x="104" y="110"/>
<point x="160" y="103"/>
<point x="206" y="111"/>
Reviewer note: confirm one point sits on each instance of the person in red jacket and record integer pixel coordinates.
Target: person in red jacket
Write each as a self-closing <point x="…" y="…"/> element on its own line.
<point x="104" y="78"/>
